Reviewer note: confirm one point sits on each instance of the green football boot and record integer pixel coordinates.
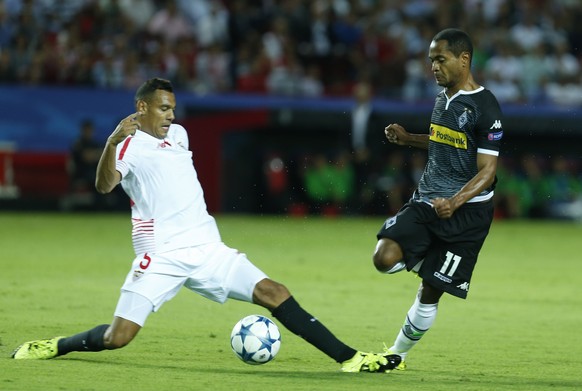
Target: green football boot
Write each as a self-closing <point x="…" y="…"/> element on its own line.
<point x="42" y="349"/>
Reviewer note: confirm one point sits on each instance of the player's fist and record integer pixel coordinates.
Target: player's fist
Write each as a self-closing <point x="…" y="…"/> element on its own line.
<point x="126" y="127"/>
<point x="443" y="207"/>
<point x="395" y="134"/>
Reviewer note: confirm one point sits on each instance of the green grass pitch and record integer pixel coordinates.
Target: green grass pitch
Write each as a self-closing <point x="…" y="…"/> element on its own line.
<point x="518" y="330"/>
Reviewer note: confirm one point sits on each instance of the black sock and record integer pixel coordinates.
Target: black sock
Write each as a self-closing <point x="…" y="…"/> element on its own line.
<point x="87" y="341"/>
<point x="301" y="323"/>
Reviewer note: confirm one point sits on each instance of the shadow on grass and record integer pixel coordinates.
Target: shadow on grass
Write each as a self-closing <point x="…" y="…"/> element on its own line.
<point x="260" y="371"/>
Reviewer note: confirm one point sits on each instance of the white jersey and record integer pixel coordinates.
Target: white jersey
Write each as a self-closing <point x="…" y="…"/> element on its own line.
<point x="167" y="202"/>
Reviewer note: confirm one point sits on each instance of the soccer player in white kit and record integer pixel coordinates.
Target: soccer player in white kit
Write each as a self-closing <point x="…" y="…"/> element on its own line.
<point x="177" y="242"/>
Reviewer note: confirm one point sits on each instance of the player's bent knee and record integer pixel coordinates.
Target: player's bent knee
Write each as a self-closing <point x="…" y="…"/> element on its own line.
<point x="270" y="294"/>
<point x="379" y="262"/>
<point x="386" y="255"/>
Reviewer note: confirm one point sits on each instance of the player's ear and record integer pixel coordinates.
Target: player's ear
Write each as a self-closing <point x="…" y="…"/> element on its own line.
<point x="466" y="59"/>
<point x="141" y="107"/>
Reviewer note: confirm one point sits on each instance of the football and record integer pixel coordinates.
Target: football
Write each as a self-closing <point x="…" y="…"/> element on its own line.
<point x="255" y="339"/>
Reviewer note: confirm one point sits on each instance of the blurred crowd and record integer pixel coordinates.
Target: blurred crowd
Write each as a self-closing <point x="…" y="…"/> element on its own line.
<point x="535" y="186"/>
<point x="526" y="50"/>
<point x="530" y="185"/>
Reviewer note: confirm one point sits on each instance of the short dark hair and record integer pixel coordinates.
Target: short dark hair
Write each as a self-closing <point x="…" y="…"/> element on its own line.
<point x="145" y="91"/>
<point x="458" y="41"/>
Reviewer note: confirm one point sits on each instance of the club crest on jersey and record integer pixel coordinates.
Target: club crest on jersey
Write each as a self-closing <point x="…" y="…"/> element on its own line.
<point x="390" y="222"/>
<point x="137" y="274"/>
<point x="463" y="119"/>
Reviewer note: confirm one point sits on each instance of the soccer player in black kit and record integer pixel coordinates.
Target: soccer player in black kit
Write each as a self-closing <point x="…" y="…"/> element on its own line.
<point x="439" y="232"/>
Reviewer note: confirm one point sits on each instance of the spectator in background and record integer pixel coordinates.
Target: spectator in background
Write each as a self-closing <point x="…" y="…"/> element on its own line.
<point x="84" y="157"/>
<point x="212" y="27"/>
<point x="562" y="63"/>
<point x="276" y="39"/>
<point x="320" y="39"/>
<point x="169" y="23"/>
<point x="383" y="58"/>
<point x="343" y="181"/>
<point x="316" y="177"/>
<point x="363" y="123"/>
<point x="364" y="133"/>
<point x="415" y="84"/>
<point x="252" y="69"/>
<point x="564" y="87"/>
<point x="284" y="71"/>
<point x="85" y="154"/>
<point x="311" y="83"/>
<point x="566" y="92"/>
<point x="535" y="73"/>
<point x="504" y="62"/>
<point x="7" y="74"/>
<point x="531" y="168"/>
<point x="347" y="29"/>
<point x="7" y="28"/>
<point x="134" y="72"/>
<point x="506" y="91"/>
<point x="417" y="164"/>
<point x="21" y="53"/>
<point x="276" y="183"/>
<point x="392" y="184"/>
<point x="564" y="190"/>
<point x="329" y="184"/>
<point x="513" y="193"/>
<point x="140" y="12"/>
<point x="107" y="72"/>
<point x="212" y="69"/>
<point x="185" y="74"/>
<point x="526" y="33"/>
<point x="193" y="10"/>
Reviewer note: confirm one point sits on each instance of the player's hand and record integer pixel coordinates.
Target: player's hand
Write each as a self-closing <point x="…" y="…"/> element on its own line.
<point x="396" y="134"/>
<point x="443" y="207"/>
<point x="126" y="127"/>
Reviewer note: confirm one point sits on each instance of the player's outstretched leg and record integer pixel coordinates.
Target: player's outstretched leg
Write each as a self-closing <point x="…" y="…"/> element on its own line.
<point x="301" y="323"/>
<point x="275" y="297"/>
<point x="43" y="349"/>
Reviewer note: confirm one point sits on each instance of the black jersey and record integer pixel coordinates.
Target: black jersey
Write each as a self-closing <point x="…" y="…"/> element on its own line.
<point x="461" y="126"/>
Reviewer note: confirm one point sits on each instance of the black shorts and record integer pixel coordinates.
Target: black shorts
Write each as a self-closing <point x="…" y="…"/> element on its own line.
<point x="449" y="247"/>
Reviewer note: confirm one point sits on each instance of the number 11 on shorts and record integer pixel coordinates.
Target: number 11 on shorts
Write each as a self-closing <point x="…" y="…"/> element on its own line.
<point x="450" y="257"/>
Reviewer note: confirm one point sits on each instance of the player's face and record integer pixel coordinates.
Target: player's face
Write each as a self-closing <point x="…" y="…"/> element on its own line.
<point x="156" y="115"/>
<point x="447" y="68"/>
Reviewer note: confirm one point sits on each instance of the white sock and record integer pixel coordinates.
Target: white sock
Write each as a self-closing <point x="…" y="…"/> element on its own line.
<point x="396" y="268"/>
<point x="418" y="320"/>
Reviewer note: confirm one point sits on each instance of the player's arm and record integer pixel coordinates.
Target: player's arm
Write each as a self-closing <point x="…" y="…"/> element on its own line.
<point x="396" y="134"/>
<point x="107" y="175"/>
<point x="487" y="166"/>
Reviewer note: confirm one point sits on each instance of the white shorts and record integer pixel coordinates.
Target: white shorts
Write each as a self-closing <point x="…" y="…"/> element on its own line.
<point x="213" y="270"/>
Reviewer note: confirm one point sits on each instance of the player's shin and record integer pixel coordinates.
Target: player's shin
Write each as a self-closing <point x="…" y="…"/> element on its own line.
<point x="87" y="341"/>
<point x="301" y="323"/>
<point x="419" y="319"/>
